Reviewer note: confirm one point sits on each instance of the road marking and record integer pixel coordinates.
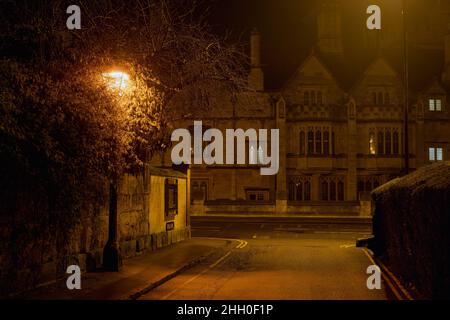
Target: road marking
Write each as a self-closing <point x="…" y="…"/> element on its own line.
<point x="346" y="246"/>
<point x="242" y="245"/>
<point x="198" y="275"/>
<point x="387" y="280"/>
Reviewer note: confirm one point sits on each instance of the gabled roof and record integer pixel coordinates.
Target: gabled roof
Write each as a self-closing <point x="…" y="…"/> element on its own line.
<point x="312" y="62"/>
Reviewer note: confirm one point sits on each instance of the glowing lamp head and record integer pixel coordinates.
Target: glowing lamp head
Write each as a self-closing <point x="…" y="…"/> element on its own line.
<point x="117" y="80"/>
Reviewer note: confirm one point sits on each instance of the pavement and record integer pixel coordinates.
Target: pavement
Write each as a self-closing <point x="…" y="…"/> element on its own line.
<point x="138" y="274"/>
<point x="239" y="259"/>
<point x="278" y="261"/>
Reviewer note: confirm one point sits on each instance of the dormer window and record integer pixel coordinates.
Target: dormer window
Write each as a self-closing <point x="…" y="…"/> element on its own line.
<point x="435" y="104"/>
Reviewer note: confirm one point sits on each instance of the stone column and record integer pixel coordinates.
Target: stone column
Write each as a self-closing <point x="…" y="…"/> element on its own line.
<point x="281" y="185"/>
<point x="352" y="138"/>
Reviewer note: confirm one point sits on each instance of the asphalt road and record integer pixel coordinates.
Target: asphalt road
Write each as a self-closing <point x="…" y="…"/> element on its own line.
<point x="278" y="260"/>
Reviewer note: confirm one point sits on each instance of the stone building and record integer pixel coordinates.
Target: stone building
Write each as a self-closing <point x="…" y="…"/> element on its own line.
<point x="341" y="128"/>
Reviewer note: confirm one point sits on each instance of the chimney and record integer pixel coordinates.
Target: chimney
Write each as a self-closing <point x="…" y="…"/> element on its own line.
<point x="256" y="76"/>
<point x="329" y="28"/>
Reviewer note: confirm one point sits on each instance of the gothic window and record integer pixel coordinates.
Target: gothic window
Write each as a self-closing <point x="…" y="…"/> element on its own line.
<point x="380" y="98"/>
<point x="388" y="143"/>
<point x="435" y="154"/>
<point x="324" y="193"/>
<point x="306" y="98"/>
<point x="341" y="191"/>
<point x="372" y="148"/>
<point x="302" y="142"/>
<point x="387" y="99"/>
<point x="333" y="144"/>
<point x="260" y="155"/>
<point x="319" y="98"/>
<point x="318" y="142"/>
<point x="395" y="146"/>
<point x="332" y="191"/>
<point x="300" y="188"/>
<point x="299" y="191"/>
<point x="326" y="143"/>
<point x="313" y="98"/>
<point x="310" y="142"/>
<point x="435" y="104"/>
<point x="368" y="183"/>
<point x="374" y="98"/>
<point x="307" y="191"/>
<point x="380" y="142"/>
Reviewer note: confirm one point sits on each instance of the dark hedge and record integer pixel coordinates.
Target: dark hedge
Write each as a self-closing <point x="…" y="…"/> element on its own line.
<point x="412" y="229"/>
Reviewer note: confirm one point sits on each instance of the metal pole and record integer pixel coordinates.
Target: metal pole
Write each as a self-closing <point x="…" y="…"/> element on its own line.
<point x="406" y="89"/>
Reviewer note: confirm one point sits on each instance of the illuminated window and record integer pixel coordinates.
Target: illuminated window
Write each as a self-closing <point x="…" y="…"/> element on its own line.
<point x="372" y="148"/>
<point x="439" y="154"/>
<point x="435" y="104"/>
<point x="435" y="153"/>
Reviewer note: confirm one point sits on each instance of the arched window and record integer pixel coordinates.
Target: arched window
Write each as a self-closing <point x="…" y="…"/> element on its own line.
<point x="261" y="155"/>
<point x="387" y="99"/>
<point x="313" y="98"/>
<point x="318" y="142"/>
<point x="302" y="142"/>
<point x="306" y="98"/>
<point x="374" y="98"/>
<point x="299" y="191"/>
<point x="368" y="185"/>
<point x="319" y="98"/>
<point x="372" y="148"/>
<point x="307" y="191"/>
<point x="332" y="191"/>
<point x="396" y="148"/>
<point x="388" y="142"/>
<point x="380" y="142"/>
<point x="325" y="191"/>
<point x="380" y="98"/>
<point x="310" y="142"/>
<point x="253" y="158"/>
<point x="333" y="144"/>
<point x="326" y="143"/>
<point x="341" y="195"/>
<point x="292" y="190"/>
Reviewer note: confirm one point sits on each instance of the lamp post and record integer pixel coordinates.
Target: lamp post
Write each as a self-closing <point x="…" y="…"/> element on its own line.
<point x="406" y="89"/>
<point x="112" y="261"/>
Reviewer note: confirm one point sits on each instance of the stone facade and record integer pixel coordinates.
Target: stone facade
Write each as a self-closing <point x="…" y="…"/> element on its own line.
<point x="338" y="141"/>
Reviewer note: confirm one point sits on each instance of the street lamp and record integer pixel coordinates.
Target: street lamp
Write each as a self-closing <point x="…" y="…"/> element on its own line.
<point x="112" y="261"/>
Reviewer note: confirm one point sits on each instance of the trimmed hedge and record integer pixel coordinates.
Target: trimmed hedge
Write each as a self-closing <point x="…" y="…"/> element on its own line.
<point x="412" y="229"/>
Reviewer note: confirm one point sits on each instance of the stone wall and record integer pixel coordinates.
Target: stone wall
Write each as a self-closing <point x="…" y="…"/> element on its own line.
<point x="31" y="256"/>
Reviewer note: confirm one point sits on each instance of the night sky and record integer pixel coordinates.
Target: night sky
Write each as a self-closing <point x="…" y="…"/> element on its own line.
<point x="288" y="28"/>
